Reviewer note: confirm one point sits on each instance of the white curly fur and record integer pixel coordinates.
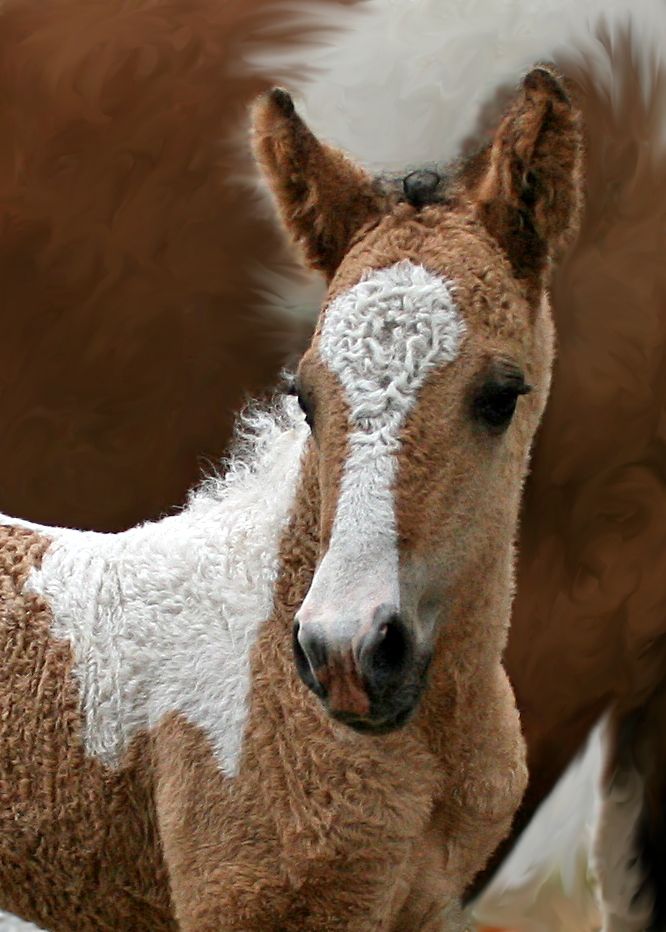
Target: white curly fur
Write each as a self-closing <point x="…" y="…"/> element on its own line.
<point x="162" y="617"/>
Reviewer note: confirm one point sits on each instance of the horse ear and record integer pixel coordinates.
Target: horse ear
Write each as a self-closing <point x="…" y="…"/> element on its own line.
<point x="530" y="193"/>
<point x="322" y="197"/>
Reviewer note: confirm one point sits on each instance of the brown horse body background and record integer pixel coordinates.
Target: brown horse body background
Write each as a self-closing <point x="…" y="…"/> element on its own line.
<point x="131" y="250"/>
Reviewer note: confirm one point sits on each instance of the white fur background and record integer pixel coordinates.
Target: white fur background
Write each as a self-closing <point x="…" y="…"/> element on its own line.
<point x="402" y="86"/>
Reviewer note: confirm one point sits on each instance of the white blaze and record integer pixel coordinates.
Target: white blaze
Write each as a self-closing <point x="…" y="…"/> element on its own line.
<point x="381" y="339"/>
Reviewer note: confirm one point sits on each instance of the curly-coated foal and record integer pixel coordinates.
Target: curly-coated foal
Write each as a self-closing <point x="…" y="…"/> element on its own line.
<point x="165" y="763"/>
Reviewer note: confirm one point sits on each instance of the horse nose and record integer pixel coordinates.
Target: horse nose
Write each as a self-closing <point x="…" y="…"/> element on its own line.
<point x="385" y="651"/>
<point x="355" y="677"/>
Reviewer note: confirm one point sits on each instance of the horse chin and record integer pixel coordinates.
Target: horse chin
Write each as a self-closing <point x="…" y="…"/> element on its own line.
<point x="375" y="727"/>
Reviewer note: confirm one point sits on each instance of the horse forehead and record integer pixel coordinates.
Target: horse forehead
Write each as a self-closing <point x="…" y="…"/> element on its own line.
<point x="386" y="332"/>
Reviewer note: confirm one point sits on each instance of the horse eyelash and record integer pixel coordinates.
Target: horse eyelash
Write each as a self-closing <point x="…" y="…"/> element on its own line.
<point x="524" y="388"/>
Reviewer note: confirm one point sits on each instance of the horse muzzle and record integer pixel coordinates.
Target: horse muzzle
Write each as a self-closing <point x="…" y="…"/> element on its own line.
<point x="371" y="682"/>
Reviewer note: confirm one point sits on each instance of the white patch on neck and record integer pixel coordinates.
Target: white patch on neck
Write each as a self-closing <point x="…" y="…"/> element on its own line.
<point x="162" y="618"/>
<point x="381" y="339"/>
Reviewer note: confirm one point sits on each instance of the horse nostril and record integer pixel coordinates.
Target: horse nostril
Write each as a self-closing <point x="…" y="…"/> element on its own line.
<point x="387" y="651"/>
<point x="392" y="649"/>
<point x="307" y="659"/>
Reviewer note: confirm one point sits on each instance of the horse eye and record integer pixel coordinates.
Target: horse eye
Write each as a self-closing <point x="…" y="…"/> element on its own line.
<point x="307" y="408"/>
<point x="496" y="403"/>
<point x="290" y="386"/>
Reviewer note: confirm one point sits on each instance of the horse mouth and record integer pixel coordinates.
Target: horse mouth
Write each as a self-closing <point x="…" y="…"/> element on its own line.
<point x="369" y="726"/>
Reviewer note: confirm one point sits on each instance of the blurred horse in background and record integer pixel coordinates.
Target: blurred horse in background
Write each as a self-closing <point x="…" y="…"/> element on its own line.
<point x="135" y="316"/>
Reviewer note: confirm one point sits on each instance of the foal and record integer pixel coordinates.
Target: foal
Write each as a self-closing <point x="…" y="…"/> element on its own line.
<point x="165" y="763"/>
